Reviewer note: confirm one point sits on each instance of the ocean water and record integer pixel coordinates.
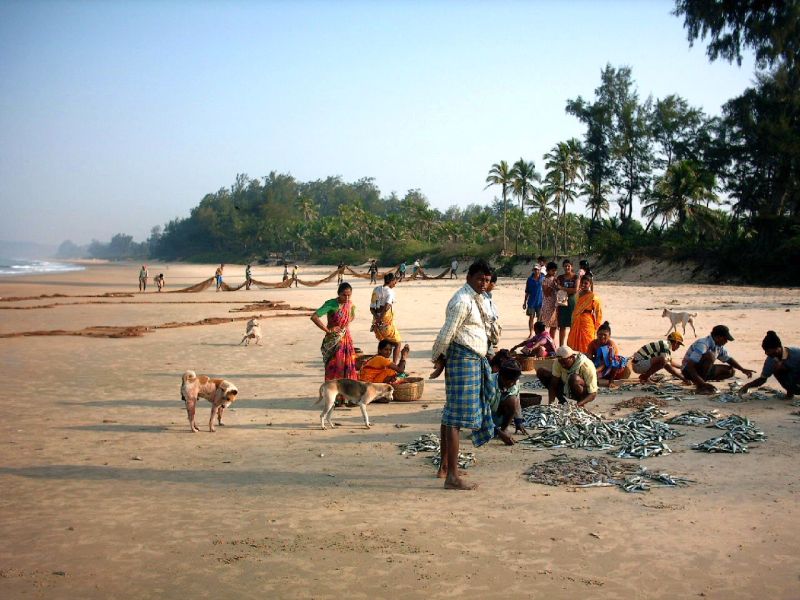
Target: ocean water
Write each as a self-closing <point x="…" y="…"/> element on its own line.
<point x="20" y="266"/>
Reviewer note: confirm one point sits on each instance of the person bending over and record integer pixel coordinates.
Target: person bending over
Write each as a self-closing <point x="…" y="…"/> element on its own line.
<point x="573" y="376"/>
<point x="782" y="362"/>
<point x="698" y="363"/>
<point x="506" y="404"/>
<point x="651" y="358"/>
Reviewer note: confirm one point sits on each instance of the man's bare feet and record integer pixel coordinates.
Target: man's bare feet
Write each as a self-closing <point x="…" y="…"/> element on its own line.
<point x="507" y="439"/>
<point x="520" y="431"/>
<point x="458" y="484"/>
<point x="442" y="473"/>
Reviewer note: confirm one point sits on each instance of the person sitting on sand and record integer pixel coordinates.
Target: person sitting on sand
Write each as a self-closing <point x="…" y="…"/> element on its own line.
<point x="380" y="368"/>
<point x="603" y="352"/>
<point x="143" y="278"/>
<point x="782" y="362"/>
<point x="698" y="363"/>
<point x="573" y="376"/>
<point x="159" y="281"/>
<point x="505" y="403"/>
<point x="652" y="357"/>
<point x="540" y="345"/>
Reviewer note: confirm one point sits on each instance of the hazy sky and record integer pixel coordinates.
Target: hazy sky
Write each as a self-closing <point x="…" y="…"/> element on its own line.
<point x="117" y="116"/>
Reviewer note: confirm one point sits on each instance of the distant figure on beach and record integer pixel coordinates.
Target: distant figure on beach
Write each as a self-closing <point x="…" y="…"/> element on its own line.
<point x="382" y="308"/>
<point x="532" y="303"/>
<point x="454" y="269"/>
<point x="698" y="363"/>
<point x="285" y="271"/>
<point x="295" y="278"/>
<point x="143" y="278"/>
<point x="462" y="344"/>
<point x="373" y="271"/>
<point x="782" y="362"/>
<point x="340" y="272"/>
<point x="402" y="271"/>
<point x="248" y="277"/>
<point x="380" y="368"/>
<point x="159" y="281"/>
<point x="337" y="349"/>
<point x="218" y="276"/>
<point x="416" y="269"/>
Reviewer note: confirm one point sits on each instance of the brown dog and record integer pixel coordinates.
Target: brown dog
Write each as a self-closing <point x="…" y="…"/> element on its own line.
<point x="219" y="392"/>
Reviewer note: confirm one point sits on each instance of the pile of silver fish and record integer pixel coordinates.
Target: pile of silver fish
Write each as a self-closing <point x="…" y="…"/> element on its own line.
<point x="599" y="472"/>
<point x="695" y="418"/>
<point x="741" y="428"/>
<point x="643" y="480"/>
<point x="638" y="435"/>
<point x="724" y="443"/>
<point x="429" y="442"/>
<point x="740" y="431"/>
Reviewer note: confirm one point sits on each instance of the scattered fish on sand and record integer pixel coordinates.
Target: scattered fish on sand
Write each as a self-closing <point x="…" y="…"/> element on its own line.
<point x="429" y="442"/>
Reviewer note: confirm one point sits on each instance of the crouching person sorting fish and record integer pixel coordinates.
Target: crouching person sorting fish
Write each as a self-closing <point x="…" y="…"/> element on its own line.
<point x="573" y="376"/>
<point x="698" y="363"/>
<point x="380" y="368"/>
<point x="462" y="344"/>
<point x="782" y="362"/>
<point x="505" y="403"/>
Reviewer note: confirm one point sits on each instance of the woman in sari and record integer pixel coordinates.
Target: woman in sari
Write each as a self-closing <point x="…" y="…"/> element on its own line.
<point x="586" y="318"/>
<point x="549" y="289"/>
<point x="337" y="345"/>
<point x="382" y="308"/>
<point x="567" y="285"/>
<point x="605" y="355"/>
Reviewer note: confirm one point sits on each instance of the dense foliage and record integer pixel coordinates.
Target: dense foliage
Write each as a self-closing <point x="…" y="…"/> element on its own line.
<point x="724" y="190"/>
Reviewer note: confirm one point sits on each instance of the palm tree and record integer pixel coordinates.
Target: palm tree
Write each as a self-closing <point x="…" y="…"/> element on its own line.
<point x="683" y="191"/>
<point x="566" y="165"/>
<point x="501" y="175"/>
<point x="524" y="175"/>
<point x="540" y="200"/>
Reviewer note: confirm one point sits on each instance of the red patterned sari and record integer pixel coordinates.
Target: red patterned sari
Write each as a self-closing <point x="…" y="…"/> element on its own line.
<point x="337" y="346"/>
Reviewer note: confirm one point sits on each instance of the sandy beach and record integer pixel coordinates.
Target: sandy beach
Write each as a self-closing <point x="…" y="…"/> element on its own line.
<point x="107" y="494"/>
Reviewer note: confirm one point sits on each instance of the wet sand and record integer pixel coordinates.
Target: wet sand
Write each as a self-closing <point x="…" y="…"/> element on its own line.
<point x="106" y="493"/>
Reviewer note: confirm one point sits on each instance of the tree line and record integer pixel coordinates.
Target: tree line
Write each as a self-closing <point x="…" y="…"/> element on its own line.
<point x="723" y="190"/>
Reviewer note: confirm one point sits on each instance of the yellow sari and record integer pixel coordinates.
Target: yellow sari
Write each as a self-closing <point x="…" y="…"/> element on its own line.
<point x="385" y="328"/>
<point x="586" y="318"/>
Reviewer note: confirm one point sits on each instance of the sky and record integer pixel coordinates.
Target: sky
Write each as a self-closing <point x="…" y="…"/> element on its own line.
<point x="117" y="116"/>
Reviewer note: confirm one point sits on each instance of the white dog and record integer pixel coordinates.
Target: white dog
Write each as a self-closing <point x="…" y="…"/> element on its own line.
<point x="253" y="332"/>
<point x="679" y="317"/>
<point x="359" y="392"/>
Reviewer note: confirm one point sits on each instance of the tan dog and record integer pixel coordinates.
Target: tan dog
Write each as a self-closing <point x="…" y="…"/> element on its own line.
<point x="679" y="317"/>
<point x="219" y="392"/>
<point x="253" y="332"/>
<point x="358" y="392"/>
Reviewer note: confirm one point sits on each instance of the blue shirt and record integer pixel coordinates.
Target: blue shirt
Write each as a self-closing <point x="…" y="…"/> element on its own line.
<point x="700" y="347"/>
<point x="533" y="289"/>
<point x="792" y="363"/>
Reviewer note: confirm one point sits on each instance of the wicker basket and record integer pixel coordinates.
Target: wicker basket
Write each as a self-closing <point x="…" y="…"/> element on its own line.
<point x="409" y="389"/>
<point x="527" y="399"/>
<point x="526" y="363"/>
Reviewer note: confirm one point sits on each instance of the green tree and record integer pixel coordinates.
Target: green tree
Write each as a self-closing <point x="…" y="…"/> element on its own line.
<point x="524" y="176"/>
<point x="683" y="191"/>
<point x="500" y="174"/>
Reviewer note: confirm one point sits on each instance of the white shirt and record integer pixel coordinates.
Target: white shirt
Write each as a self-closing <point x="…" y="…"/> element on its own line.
<point x="463" y="323"/>
<point x="382" y="296"/>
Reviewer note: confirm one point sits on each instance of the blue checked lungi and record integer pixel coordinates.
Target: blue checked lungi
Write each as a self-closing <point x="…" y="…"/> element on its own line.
<point x="469" y="388"/>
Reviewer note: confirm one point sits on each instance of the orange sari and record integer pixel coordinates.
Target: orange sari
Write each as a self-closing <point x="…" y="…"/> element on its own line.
<point x="586" y="318"/>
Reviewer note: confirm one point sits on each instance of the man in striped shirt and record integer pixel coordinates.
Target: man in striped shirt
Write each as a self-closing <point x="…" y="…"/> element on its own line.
<point x="653" y="357"/>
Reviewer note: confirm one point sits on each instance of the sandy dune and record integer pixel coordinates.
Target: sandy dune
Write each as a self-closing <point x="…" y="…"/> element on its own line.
<point x="106" y="493"/>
